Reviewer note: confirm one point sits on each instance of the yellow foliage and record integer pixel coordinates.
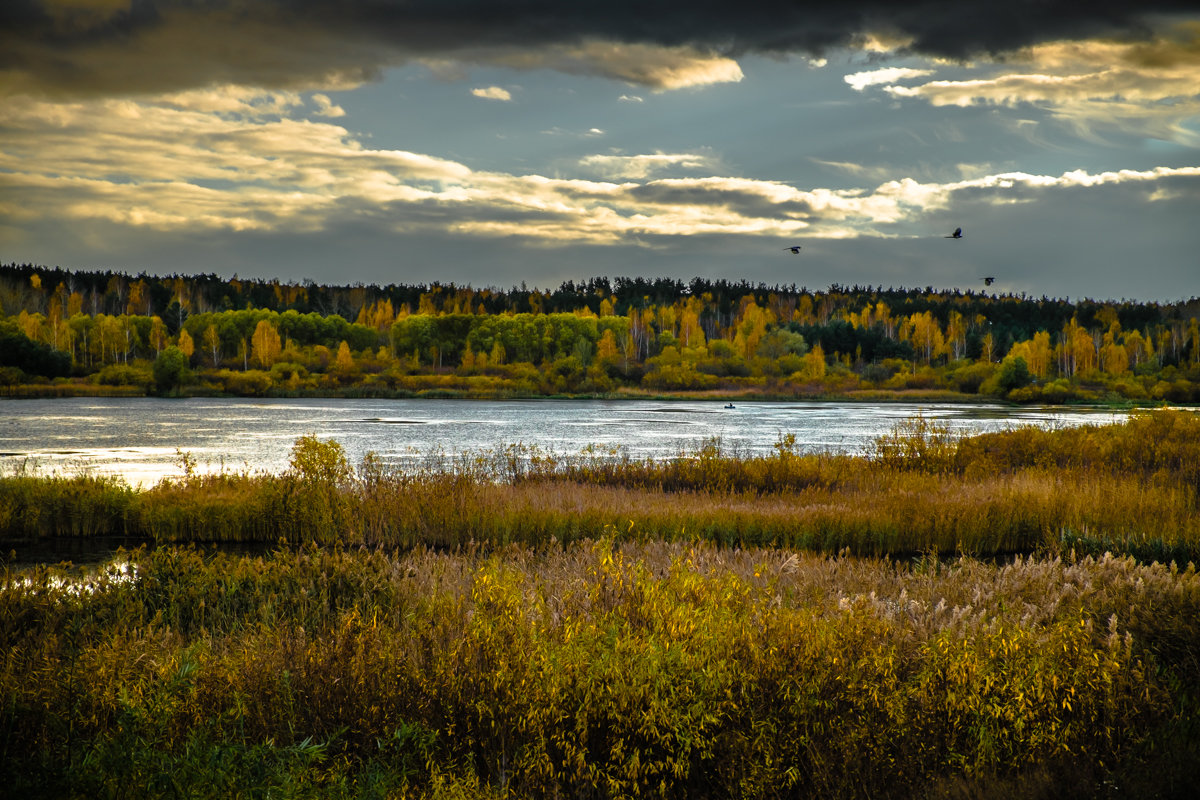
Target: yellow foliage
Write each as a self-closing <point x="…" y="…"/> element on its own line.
<point x="186" y="344"/>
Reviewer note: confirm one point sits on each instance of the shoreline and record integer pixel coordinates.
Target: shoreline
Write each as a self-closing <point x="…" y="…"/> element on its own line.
<point x="67" y="391"/>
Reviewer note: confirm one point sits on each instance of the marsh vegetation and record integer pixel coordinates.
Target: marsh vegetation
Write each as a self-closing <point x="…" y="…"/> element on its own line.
<point x="1012" y="613"/>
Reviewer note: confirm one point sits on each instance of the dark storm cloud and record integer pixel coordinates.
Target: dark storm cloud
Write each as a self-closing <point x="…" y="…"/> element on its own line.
<point x="94" y="46"/>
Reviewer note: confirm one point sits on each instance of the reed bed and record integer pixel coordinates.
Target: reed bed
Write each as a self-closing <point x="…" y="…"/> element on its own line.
<point x="600" y="669"/>
<point x="33" y="506"/>
<point x="1127" y="488"/>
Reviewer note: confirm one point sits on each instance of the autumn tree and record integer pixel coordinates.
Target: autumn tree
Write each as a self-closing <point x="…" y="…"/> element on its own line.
<point x="30" y="324"/>
<point x="74" y="304"/>
<point x="111" y="335"/>
<point x="956" y="334"/>
<point x="468" y="362"/>
<point x="1138" y="348"/>
<point x="813" y="365"/>
<point x="925" y="335"/>
<point x="1036" y="352"/>
<point x="186" y="344"/>
<point x="265" y="344"/>
<point x="39" y="296"/>
<point x="691" y="334"/>
<point x="987" y="348"/>
<point x="1113" y="357"/>
<point x="378" y="315"/>
<point x="1077" y="353"/>
<point x="158" y="334"/>
<point x="343" y="364"/>
<point x="212" y="343"/>
<point x="607" y="351"/>
<point x="139" y="300"/>
<point x="752" y="327"/>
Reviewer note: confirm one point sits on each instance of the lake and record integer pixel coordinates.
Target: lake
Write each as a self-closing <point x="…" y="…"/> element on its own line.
<point x="140" y="439"/>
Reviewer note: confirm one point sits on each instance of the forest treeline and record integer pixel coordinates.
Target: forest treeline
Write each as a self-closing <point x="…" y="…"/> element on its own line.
<point x="98" y="332"/>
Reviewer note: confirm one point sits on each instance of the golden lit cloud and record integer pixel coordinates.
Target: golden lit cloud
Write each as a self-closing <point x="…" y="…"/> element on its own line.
<point x="493" y="93"/>
<point x="1153" y="87"/>
<point x="656" y="66"/>
<point x="326" y="108"/>
<point x="879" y="42"/>
<point x="219" y="160"/>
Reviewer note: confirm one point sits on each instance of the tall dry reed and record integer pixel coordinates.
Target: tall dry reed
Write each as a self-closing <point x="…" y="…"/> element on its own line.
<point x="600" y="669"/>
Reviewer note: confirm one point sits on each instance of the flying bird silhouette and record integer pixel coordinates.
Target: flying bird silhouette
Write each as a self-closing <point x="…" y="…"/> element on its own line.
<point x="988" y="280"/>
<point x="794" y="248"/>
<point x="956" y="235"/>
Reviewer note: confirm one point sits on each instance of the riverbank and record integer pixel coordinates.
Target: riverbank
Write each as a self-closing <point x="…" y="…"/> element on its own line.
<point x="866" y="395"/>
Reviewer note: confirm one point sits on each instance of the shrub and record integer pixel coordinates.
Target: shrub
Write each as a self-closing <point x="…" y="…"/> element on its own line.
<point x="1013" y="373"/>
<point x="250" y="383"/>
<point x="970" y="378"/>
<point x="126" y="375"/>
<point x="679" y="670"/>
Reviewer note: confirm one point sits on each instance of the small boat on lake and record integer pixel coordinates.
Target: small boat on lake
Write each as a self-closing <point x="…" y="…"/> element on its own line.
<point x="729" y="405"/>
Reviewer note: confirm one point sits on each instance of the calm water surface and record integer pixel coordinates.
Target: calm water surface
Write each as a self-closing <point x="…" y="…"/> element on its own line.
<point x="140" y="439"/>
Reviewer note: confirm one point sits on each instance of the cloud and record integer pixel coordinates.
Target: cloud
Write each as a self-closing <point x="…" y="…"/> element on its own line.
<point x="493" y="93"/>
<point x="1152" y="87"/>
<point x="171" y="166"/>
<point x="326" y="108"/>
<point x="880" y="173"/>
<point x="642" y="166"/>
<point x="588" y="133"/>
<point x="856" y="169"/>
<point x="101" y="47"/>
<point x="861" y="80"/>
<point x="654" y="66"/>
<point x="174" y="165"/>
<point x="237" y="100"/>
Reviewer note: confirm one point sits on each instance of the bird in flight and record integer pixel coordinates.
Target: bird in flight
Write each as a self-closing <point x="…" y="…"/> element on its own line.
<point x="988" y="280"/>
<point x="794" y="248"/>
<point x="956" y="235"/>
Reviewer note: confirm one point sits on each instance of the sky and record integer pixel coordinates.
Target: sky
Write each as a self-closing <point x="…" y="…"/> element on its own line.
<point x="493" y="143"/>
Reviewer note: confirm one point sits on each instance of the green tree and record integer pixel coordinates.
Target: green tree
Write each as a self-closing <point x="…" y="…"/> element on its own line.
<point x="170" y="370"/>
<point x="1013" y="373"/>
<point x="34" y="358"/>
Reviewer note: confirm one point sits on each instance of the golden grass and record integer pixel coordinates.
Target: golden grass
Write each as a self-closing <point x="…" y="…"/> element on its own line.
<point x="600" y="669"/>
<point x="1127" y="488"/>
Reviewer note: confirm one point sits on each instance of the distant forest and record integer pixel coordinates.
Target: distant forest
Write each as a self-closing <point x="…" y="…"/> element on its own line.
<point x="65" y="332"/>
